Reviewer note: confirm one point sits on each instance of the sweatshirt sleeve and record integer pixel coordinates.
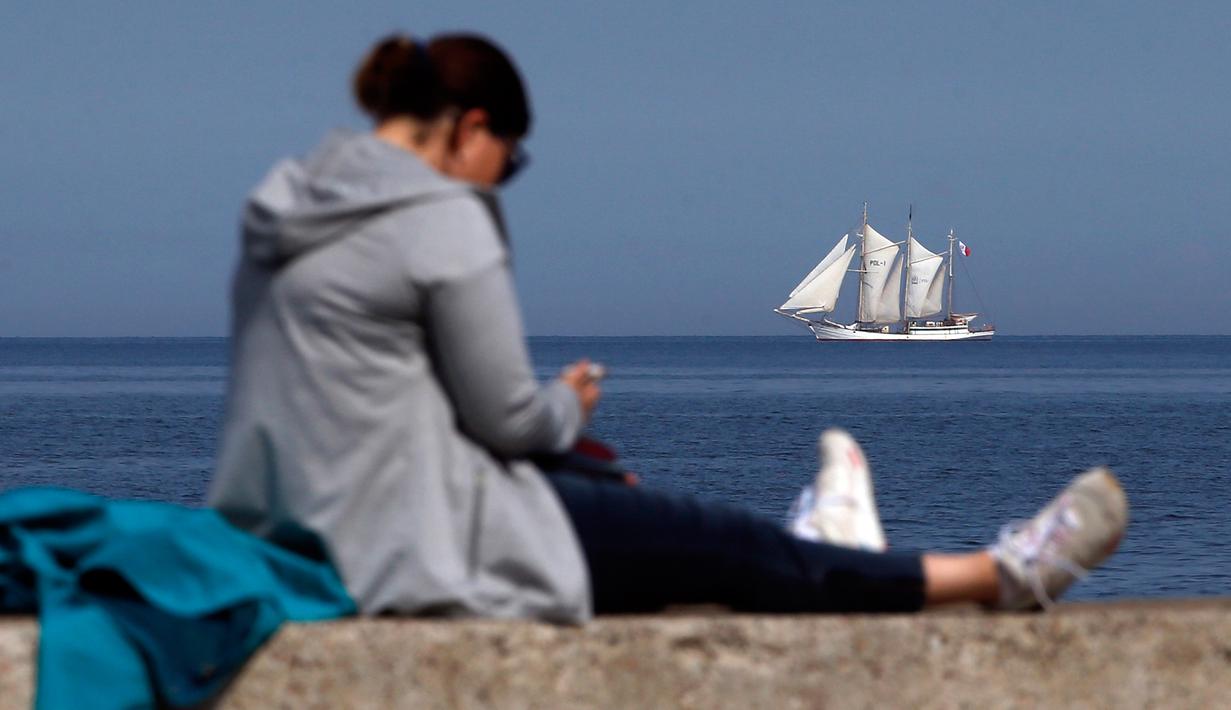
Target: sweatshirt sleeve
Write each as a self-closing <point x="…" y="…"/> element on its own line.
<point x="475" y="330"/>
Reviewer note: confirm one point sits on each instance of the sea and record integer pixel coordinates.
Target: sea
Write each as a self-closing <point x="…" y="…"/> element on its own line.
<point x="962" y="437"/>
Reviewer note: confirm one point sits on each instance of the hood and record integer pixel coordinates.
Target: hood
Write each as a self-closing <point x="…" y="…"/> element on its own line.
<point x="305" y="203"/>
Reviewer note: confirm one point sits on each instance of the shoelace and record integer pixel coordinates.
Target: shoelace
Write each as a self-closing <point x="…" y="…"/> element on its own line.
<point x="1036" y="543"/>
<point x="832" y="499"/>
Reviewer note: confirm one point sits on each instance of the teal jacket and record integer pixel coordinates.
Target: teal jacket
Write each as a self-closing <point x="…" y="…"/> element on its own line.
<point x="142" y="603"/>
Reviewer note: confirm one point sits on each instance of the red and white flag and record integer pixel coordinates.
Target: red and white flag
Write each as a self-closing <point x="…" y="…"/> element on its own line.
<point x="961" y="246"/>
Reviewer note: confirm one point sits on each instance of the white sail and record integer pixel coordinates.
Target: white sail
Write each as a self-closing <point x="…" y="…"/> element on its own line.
<point x="820" y="294"/>
<point x="833" y="255"/>
<point x="936" y="294"/>
<point x="878" y="256"/>
<point x="925" y="269"/>
<point x="889" y="310"/>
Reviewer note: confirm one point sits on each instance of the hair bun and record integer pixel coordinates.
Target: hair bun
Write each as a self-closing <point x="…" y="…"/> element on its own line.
<point x="397" y="77"/>
<point x="402" y="77"/>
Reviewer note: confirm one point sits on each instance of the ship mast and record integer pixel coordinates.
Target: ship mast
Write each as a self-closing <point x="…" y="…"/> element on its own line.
<point x="910" y="235"/>
<point x="863" y="243"/>
<point x="949" y="315"/>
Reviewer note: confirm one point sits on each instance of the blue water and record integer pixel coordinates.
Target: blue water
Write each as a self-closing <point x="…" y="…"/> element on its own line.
<point x="962" y="437"/>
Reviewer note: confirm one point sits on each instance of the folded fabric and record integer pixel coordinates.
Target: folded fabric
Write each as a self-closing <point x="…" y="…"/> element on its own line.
<point x="143" y="603"/>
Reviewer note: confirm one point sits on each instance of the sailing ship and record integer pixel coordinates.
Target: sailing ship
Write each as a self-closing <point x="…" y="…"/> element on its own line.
<point x="886" y="310"/>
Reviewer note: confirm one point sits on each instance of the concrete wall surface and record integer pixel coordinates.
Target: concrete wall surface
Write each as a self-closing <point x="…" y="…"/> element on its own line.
<point x="1123" y="655"/>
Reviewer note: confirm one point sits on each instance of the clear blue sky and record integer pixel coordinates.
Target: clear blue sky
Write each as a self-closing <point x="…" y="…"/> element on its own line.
<point x="692" y="160"/>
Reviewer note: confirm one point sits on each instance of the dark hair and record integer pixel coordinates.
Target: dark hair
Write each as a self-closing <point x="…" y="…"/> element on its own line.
<point x="402" y="77"/>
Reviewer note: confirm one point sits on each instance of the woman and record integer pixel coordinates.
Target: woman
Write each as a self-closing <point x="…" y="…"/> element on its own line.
<point x="381" y="398"/>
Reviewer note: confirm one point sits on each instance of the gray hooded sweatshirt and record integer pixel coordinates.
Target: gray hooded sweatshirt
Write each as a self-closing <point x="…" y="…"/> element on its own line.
<point x="381" y="395"/>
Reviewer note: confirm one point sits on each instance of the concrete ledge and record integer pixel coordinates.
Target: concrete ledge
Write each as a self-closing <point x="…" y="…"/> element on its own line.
<point x="1170" y="654"/>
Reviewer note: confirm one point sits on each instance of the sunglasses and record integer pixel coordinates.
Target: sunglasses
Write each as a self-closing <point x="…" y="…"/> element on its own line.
<point x="517" y="161"/>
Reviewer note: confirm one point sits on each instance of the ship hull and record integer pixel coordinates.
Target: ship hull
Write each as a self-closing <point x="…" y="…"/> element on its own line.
<point x="828" y="330"/>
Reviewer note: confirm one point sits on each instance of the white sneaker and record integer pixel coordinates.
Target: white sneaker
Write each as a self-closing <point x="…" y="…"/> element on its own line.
<point x="838" y="508"/>
<point x="1038" y="559"/>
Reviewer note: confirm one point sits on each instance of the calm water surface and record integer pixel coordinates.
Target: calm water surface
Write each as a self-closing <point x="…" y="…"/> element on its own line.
<point x="962" y="436"/>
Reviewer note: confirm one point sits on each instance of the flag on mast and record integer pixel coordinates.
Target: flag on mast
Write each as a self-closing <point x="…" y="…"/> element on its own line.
<point x="965" y="250"/>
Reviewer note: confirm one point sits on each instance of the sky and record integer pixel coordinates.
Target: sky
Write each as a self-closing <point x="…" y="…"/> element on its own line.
<point x="691" y="160"/>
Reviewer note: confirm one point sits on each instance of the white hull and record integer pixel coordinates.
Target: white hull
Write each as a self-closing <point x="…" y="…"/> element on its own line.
<point x="828" y="330"/>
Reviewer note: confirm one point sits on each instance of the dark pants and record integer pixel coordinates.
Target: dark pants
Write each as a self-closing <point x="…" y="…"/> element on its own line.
<point x="648" y="549"/>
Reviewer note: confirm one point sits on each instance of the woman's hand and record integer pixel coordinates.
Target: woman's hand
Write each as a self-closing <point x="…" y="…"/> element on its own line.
<point x="583" y="377"/>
